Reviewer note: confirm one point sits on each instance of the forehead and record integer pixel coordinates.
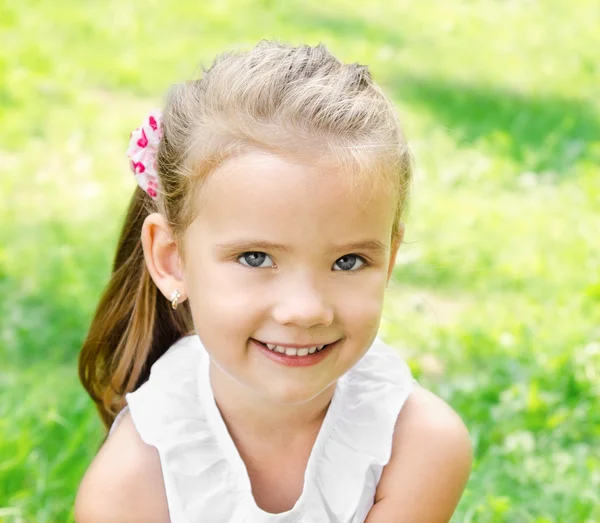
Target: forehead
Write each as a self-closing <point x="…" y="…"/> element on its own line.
<point x="259" y="193"/>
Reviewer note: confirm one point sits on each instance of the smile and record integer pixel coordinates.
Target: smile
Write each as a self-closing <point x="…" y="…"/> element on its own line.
<point x="292" y="351"/>
<point x="298" y="356"/>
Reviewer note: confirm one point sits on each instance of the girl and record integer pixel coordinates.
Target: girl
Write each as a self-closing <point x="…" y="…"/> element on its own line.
<point x="237" y="338"/>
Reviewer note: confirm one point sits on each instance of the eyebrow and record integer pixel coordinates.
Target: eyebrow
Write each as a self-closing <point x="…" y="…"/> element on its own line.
<point x="373" y="246"/>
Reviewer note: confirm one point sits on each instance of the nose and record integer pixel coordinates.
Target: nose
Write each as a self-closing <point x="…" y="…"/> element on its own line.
<point x="301" y="303"/>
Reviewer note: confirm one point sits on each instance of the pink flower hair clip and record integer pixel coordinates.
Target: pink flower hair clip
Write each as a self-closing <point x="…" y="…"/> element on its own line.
<point x="143" y="145"/>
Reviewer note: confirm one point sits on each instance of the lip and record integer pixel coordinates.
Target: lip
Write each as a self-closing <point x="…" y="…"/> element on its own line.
<point x="295" y="361"/>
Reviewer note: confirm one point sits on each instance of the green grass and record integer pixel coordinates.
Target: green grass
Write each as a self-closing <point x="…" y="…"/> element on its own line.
<point x="496" y="296"/>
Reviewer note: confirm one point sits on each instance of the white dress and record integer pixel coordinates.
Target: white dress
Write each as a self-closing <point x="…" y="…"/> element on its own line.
<point x="205" y="478"/>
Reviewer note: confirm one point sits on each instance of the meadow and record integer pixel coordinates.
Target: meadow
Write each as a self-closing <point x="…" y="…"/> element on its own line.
<point x="495" y="299"/>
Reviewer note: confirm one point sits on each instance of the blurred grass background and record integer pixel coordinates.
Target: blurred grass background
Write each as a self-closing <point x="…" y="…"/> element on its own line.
<point x="496" y="297"/>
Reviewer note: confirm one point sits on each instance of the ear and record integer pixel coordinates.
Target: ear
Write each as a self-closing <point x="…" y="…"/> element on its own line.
<point x="162" y="259"/>
<point x="396" y="242"/>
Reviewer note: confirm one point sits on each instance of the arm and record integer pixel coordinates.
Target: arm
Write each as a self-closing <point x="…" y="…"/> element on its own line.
<point x="429" y="467"/>
<point x="124" y="482"/>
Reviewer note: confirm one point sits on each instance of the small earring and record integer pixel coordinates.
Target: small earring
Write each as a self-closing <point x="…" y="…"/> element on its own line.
<point x="175" y="298"/>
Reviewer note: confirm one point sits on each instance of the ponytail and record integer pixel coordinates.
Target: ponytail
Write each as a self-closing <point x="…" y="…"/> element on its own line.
<point x="134" y="323"/>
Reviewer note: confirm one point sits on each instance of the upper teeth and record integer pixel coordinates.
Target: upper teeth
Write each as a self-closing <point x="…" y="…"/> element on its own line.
<point x="288" y="351"/>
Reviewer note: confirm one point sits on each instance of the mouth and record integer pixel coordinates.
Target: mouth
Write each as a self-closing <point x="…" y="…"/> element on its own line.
<point x="293" y="351"/>
<point x="294" y="356"/>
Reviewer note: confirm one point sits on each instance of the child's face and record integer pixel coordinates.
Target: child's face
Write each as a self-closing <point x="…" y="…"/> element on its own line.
<point x="290" y="294"/>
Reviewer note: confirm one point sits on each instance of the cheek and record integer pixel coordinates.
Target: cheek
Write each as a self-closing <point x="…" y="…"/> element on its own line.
<point x="222" y="298"/>
<point x="360" y="304"/>
<point x="362" y="318"/>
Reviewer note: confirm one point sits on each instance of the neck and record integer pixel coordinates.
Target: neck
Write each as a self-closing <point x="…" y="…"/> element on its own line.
<point x="249" y="413"/>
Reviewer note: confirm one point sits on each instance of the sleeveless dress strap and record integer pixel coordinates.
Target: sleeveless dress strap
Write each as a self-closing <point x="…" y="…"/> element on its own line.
<point x="117" y="419"/>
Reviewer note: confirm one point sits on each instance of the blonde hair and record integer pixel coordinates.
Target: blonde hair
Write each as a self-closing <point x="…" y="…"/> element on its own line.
<point x="274" y="97"/>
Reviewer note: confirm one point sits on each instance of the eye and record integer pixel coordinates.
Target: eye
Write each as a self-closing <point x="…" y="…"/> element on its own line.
<point x="349" y="262"/>
<point x="255" y="259"/>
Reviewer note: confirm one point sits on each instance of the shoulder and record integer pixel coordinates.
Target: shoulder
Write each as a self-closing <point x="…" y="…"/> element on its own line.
<point x="124" y="482"/>
<point x="426" y="417"/>
<point x="429" y="466"/>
